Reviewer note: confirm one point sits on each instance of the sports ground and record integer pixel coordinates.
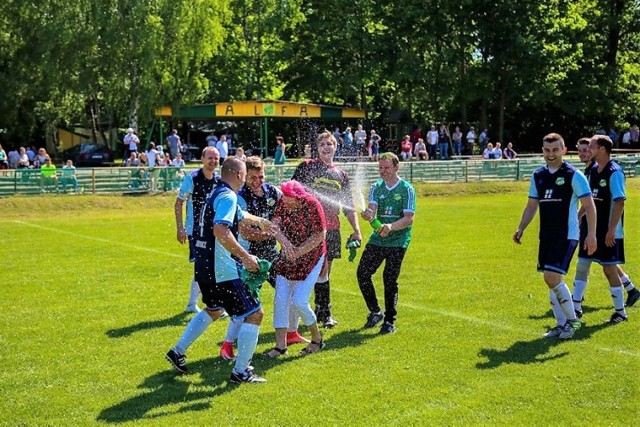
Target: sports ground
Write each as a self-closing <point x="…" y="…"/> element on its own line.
<point x="94" y="288"/>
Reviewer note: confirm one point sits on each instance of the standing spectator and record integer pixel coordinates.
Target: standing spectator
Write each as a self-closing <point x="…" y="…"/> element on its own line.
<point x="432" y="140"/>
<point x="635" y="135"/>
<point x="153" y="161"/>
<point x="194" y="190"/>
<point x="484" y="138"/>
<point x="279" y="158"/>
<point x="240" y="154"/>
<point x="174" y="143"/>
<point x="48" y="175"/>
<point x="509" y="152"/>
<point x="420" y="150"/>
<point x="416" y="135"/>
<point x="338" y="136"/>
<point x="4" y="162"/>
<point x="457" y="142"/>
<point x="375" y="145"/>
<point x="218" y="261"/>
<point x="130" y="142"/>
<point x="444" y="139"/>
<point x="471" y="141"/>
<point x="361" y="141"/>
<point x="392" y="201"/>
<point x="347" y="139"/>
<point x="332" y="188"/>
<point x="212" y="140"/>
<point x="69" y="177"/>
<point x="613" y="135"/>
<point x="223" y="148"/>
<point x="302" y="228"/>
<point x="405" y="148"/>
<point x="556" y="189"/>
<point x="626" y="138"/>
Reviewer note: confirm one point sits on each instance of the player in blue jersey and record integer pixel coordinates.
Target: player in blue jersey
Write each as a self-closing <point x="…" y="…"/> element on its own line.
<point x="194" y="190"/>
<point x="607" y="183"/>
<point x="219" y="259"/>
<point x="584" y="262"/>
<point x="556" y="189"/>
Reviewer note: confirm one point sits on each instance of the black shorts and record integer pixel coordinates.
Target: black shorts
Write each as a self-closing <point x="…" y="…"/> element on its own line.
<point x="233" y="295"/>
<point x="192" y="249"/>
<point x="606" y="255"/>
<point x="334" y="244"/>
<point x="555" y="255"/>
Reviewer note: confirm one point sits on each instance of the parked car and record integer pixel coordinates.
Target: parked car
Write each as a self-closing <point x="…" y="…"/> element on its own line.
<point x="89" y="155"/>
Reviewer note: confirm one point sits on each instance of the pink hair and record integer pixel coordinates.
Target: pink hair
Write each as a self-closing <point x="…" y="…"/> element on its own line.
<point x="294" y="189"/>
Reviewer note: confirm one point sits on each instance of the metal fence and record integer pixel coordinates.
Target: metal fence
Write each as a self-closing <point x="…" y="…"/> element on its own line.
<point x="138" y="180"/>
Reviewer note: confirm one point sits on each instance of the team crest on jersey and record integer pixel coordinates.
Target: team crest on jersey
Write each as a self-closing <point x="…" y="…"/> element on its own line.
<point x="397" y="197"/>
<point x="560" y="181"/>
<point x="271" y="202"/>
<point x="603" y="183"/>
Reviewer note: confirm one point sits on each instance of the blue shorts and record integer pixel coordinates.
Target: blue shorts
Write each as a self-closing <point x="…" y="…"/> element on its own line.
<point x="233" y="295"/>
<point x="606" y="255"/>
<point x="555" y="255"/>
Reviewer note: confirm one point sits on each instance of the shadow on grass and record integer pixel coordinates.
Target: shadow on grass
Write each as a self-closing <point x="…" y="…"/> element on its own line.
<point x="177" y="320"/>
<point x="167" y="392"/>
<point x="535" y="351"/>
<point x="586" y="309"/>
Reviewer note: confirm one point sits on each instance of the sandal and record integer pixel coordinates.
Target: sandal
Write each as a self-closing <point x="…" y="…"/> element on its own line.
<point x="307" y="350"/>
<point x="276" y="352"/>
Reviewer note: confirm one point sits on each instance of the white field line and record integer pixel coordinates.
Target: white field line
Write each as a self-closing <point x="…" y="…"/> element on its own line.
<point x="444" y="313"/>
<point x="495" y="325"/>
<point x="98" y="239"/>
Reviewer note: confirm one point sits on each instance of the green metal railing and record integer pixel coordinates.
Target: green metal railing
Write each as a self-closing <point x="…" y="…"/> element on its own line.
<point x="138" y="180"/>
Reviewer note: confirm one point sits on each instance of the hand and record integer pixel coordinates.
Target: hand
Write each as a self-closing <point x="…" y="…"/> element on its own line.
<point x="384" y="230"/>
<point x="610" y="238"/>
<point x="367" y="214"/>
<point x="181" y="235"/>
<point x="251" y="263"/>
<point x="355" y="236"/>
<point x="590" y="244"/>
<point x="517" y="236"/>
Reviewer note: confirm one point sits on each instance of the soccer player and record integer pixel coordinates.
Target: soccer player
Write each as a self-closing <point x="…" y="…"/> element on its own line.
<point x="584" y="262"/>
<point x="556" y="189"/>
<point x="606" y="180"/>
<point x="392" y="201"/>
<point x="219" y="259"/>
<point x="331" y="186"/>
<point x="194" y="190"/>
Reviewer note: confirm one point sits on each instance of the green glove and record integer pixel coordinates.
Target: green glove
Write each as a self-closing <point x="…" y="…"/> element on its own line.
<point x="352" y="245"/>
<point x="255" y="279"/>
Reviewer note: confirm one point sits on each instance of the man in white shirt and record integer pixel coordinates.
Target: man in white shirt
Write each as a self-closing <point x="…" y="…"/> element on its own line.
<point x="471" y="141"/>
<point x="131" y="141"/>
<point x="223" y="148"/>
<point x="432" y="141"/>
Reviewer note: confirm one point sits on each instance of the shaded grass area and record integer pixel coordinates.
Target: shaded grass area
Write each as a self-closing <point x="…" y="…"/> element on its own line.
<point x="94" y="287"/>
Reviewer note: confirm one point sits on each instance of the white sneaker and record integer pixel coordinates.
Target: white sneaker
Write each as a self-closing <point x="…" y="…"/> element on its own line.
<point x="192" y="308"/>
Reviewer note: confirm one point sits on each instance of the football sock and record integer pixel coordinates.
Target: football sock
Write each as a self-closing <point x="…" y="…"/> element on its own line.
<point x="247" y="342"/>
<point x="323" y="304"/>
<point x="198" y="324"/>
<point x="564" y="298"/>
<point x="618" y="299"/>
<point x="561" y="319"/>
<point x="626" y="282"/>
<point x="233" y="330"/>
<point x="194" y="292"/>
<point x="579" y="287"/>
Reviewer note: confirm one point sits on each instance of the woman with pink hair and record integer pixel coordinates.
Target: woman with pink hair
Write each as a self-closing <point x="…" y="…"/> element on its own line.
<point x="301" y="229"/>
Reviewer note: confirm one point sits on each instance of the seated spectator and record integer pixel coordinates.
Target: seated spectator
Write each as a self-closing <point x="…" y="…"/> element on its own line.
<point x="31" y="155"/>
<point x="13" y="158"/>
<point x="69" y="177"/>
<point x="497" y="151"/>
<point x="178" y="162"/>
<point x="48" y="175"/>
<point x="23" y="159"/>
<point x="240" y="154"/>
<point x="40" y="158"/>
<point x="405" y="148"/>
<point x="488" y="153"/>
<point x="420" y="150"/>
<point x="135" y="174"/>
<point x="4" y="162"/>
<point x="509" y="152"/>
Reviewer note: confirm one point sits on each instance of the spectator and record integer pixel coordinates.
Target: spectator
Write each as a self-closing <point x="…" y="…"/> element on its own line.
<point x="374" y="141"/>
<point x="361" y="141"/>
<point x="48" y="175"/>
<point x="613" y="135"/>
<point x="31" y="155"/>
<point x="131" y="141"/>
<point x="69" y="177"/>
<point x="444" y="139"/>
<point x="497" y="151"/>
<point x="153" y="161"/>
<point x="509" y="152"/>
<point x="223" y="148"/>
<point x="635" y="135"/>
<point x="626" y="138"/>
<point x="484" y="138"/>
<point x="240" y="154"/>
<point x="416" y="135"/>
<point x="178" y="162"/>
<point x="23" y="159"/>
<point x="405" y="148"/>
<point x="432" y="140"/>
<point x="4" y="163"/>
<point x="279" y="157"/>
<point x="14" y="157"/>
<point x="457" y="142"/>
<point x="212" y="140"/>
<point x="488" y="153"/>
<point x="471" y="141"/>
<point x="40" y="158"/>
<point x="347" y="139"/>
<point x="420" y="150"/>
<point x="174" y="143"/>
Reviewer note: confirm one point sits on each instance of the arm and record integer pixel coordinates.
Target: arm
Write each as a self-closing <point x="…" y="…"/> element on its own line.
<point x="229" y="242"/>
<point x="527" y="215"/>
<point x="614" y="219"/>
<point x="181" y="233"/>
<point x="307" y="246"/>
<point x="589" y="207"/>
<point x="404" y="222"/>
<point x="353" y="220"/>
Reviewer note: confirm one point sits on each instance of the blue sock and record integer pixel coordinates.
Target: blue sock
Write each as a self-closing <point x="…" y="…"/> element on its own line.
<point x="247" y="343"/>
<point x="198" y="324"/>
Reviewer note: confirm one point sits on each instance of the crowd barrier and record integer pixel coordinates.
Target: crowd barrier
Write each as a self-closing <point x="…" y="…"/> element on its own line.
<point x="137" y="180"/>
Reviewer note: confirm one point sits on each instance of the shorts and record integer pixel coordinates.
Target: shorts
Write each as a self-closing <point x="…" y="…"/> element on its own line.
<point x="334" y="244"/>
<point x="605" y="255"/>
<point x="555" y="255"/>
<point x="192" y="249"/>
<point x="233" y="295"/>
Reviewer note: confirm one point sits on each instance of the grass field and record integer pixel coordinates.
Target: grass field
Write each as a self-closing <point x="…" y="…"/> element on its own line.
<point x="93" y="290"/>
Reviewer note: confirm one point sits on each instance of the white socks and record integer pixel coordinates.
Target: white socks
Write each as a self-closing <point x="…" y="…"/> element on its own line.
<point x="198" y="324"/>
<point x="194" y="292"/>
<point x="563" y="295"/>
<point x="247" y="342"/>
<point x="233" y="330"/>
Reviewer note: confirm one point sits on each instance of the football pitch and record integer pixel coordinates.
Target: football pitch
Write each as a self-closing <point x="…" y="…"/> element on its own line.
<point x="94" y="287"/>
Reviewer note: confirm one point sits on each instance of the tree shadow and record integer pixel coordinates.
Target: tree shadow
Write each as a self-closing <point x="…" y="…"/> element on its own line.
<point x="531" y="352"/>
<point x="177" y="320"/>
<point x="167" y="392"/>
<point x="585" y="309"/>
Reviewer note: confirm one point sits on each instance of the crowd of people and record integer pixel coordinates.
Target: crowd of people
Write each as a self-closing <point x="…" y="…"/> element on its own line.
<point x="240" y="228"/>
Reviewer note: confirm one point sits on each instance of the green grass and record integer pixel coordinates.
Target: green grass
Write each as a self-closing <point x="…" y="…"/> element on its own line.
<point x="93" y="291"/>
